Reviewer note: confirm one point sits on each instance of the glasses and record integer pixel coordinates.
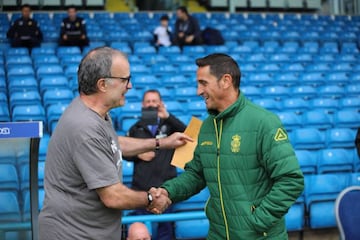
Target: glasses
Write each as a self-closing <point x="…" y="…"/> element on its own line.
<point x="125" y="79"/>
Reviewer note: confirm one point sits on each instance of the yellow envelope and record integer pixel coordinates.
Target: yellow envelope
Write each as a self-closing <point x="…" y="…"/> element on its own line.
<point x="185" y="153"/>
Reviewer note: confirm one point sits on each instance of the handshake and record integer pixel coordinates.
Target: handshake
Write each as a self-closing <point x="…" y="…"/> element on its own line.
<point x="160" y="200"/>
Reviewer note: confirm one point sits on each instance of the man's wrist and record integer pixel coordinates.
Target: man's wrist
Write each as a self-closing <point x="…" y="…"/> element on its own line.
<point x="149" y="198"/>
<point x="157" y="144"/>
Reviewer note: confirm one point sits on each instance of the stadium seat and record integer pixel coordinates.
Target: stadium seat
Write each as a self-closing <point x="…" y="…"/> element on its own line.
<point x="4" y="113"/>
<point x="316" y="119"/>
<point x="175" y="107"/>
<point x="160" y="69"/>
<point x="67" y="50"/>
<point x="307" y="138"/>
<point x="338" y="78"/>
<point x="44" y="141"/>
<point x="9" y="207"/>
<point x="144" y="50"/>
<point x="139" y="68"/>
<point x="313" y="78"/>
<point x="295" y="217"/>
<point x="350" y="103"/>
<point x="320" y="195"/>
<point x="326" y="104"/>
<point x="51" y="82"/>
<point x="170" y="51"/>
<point x="186" y="94"/>
<point x="340" y="138"/>
<point x="307" y="160"/>
<point x="19" y="51"/>
<point x="335" y="160"/>
<point x="251" y="92"/>
<point x="191" y="229"/>
<point x="145" y="81"/>
<point x="295" y="104"/>
<point x="8" y="178"/>
<point x="24" y="98"/>
<point x="175" y="81"/>
<point x="267" y="103"/>
<point x="49" y="69"/>
<point x="127" y="123"/>
<point x="306" y="92"/>
<point x="196" y="108"/>
<point x="127" y="171"/>
<point x="67" y="60"/>
<point x="354" y="179"/>
<point x="43" y="59"/>
<point x="53" y="114"/>
<point x="352" y="89"/>
<point x="58" y="95"/>
<point x="196" y="202"/>
<point x="260" y="79"/>
<point x="286" y="78"/>
<point x="290" y="120"/>
<point x="25" y="70"/>
<point x="28" y="113"/>
<point x="22" y="83"/>
<point x="276" y="92"/>
<point x="191" y="50"/>
<point x="347" y="118"/>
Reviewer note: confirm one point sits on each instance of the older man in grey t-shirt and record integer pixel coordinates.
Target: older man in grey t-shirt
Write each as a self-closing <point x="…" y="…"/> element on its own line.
<point x="84" y="194"/>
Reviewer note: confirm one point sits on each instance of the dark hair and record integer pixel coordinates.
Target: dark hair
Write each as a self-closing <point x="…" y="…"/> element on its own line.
<point x="71" y="6"/>
<point x="221" y="64"/>
<point x="25" y="6"/>
<point x="164" y="17"/>
<point x="95" y="65"/>
<point x="183" y="9"/>
<point x="151" y="91"/>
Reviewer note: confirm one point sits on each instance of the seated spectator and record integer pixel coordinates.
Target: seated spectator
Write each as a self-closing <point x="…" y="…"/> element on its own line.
<point x="138" y="231"/>
<point x="187" y="29"/>
<point x="162" y="33"/>
<point x="73" y="30"/>
<point x="25" y="31"/>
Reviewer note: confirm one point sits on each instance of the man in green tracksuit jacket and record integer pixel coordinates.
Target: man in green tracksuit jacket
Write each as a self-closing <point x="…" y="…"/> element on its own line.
<point x="243" y="156"/>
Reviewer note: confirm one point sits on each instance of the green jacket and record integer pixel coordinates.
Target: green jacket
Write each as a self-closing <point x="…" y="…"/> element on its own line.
<point x="244" y="157"/>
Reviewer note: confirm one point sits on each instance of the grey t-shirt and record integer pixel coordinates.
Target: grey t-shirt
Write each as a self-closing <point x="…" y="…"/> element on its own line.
<point x="83" y="155"/>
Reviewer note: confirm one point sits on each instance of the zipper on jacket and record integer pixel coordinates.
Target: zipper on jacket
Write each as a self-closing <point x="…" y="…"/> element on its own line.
<point x="218" y="142"/>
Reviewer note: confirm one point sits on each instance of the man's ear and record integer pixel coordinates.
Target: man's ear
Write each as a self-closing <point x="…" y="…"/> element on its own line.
<point x="226" y="81"/>
<point x="102" y="85"/>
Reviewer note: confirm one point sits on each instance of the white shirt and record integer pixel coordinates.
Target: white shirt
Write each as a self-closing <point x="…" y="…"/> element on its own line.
<point x="163" y="36"/>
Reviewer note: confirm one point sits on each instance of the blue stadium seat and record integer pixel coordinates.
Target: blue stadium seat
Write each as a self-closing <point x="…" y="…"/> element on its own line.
<point x="42" y="51"/>
<point x="276" y="92"/>
<point x="49" y="69"/>
<point x="175" y="107"/>
<point x="352" y="89"/>
<point x="290" y="120"/>
<point x="22" y="83"/>
<point x="67" y="50"/>
<point x="187" y="68"/>
<point x="170" y="51"/>
<point x="335" y="160"/>
<point x="251" y="92"/>
<point x="127" y="123"/>
<point x="44" y="141"/>
<point x="14" y="60"/>
<point x="267" y="103"/>
<point x="191" y="50"/>
<point x="294" y="67"/>
<point x="354" y="179"/>
<point x="256" y="58"/>
<point x="57" y="95"/>
<point x="196" y="108"/>
<point x="260" y="78"/>
<point x="139" y="68"/>
<point x="340" y="138"/>
<point x="306" y="92"/>
<point x="24" y="98"/>
<point x="175" y="81"/>
<point x="295" y="104"/>
<point x="295" y="217"/>
<point x="319" y="67"/>
<point x="160" y="69"/>
<point x="313" y="78"/>
<point x="310" y="47"/>
<point x="343" y="67"/>
<point x="129" y="110"/>
<point x="338" y="77"/>
<point x="307" y="160"/>
<point x="122" y="46"/>
<point x="25" y="70"/>
<point x="9" y="180"/>
<point x="196" y="202"/>
<point x="317" y="119"/>
<point x="17" y="51"/>
<point x="186" y="94"/>
<point x="191" y="229"/>
<point x="144" y="81"/>
<point x="286" y="78"/>
<point x="325" y="104"/>
<point x="155" y="59"/>
<point x="4" y="113"/>
<point x="350" y="103"/>
<point x="53" y="114"/>
<point x="269" y="67"/>
<point x="127" y="171"/>
<point x="144" y="50"/>
<point x="28" y="113"/>
<point x="347" y="118"/>
<point x="9" y="207"/>
<point x="307" y="138"/>
<point x="43" y="59"/>
<point x="67" y="60"/>
<point x="320" y="195"/>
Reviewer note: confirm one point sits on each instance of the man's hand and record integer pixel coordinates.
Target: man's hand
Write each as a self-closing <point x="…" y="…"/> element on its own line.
<point x="189" y="38"/>
<point x="162" y="112"/>
<point x="160" y="200"/>
<point x="147" y="156"/>
<point x="175" y="140"/>
<point x="65" y="37"/>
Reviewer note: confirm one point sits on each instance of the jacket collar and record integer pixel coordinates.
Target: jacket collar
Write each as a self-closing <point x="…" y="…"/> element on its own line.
<point x="232" y="110"/>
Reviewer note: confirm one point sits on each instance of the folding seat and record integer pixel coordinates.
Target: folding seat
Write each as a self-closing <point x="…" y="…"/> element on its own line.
<point x="231" y="35"/>
<point x="320" y="194"/>
<point x="8" y="178"/>
<point x="139" y="68"/>
<point x="43" y="59"/>
<point x="310" y="47"/>
<point x="186" y="68"/>
<point x="291" y="46"/>
<point x="241" y="49"/>
<point x="53" y="114"/>
<point x="54" y="81"/>
<point x="178" y="59"/>
<point x="325" y="104"/>
<point x="295" y="67"/>
<point x="260" y="78"/>
<point x="307" y="138"/>
<point x="4" y="113"/>
<point x="290" y="120"/>
<point x="191" y="229"/>
<point x="170" y="51"/>
<point x="70" y="59"/>
<point x="333" y="91"/>
<point x="313" y="78"/>
<point x="16" y="60"/>
<point x="44" y="141"/>
<point x="276" y="92"/>
<point x="344" y="67"/>
<point x="58" y="95"/>
<point x="352" y="89"/>
<point x="270" y="67"/>
<point x="127" y="171"/>
<point x="9" y="207"/>
<point x="330" y="47"/>
<point x="22" y="83"/>
<point x="175" y="81"/>
<point x="175" y="107"/>
<point x="291" y="36"/>
<point x="135" y="59"/>
<point x="307" y="160"/>
<point x="129" y="110"/>
<point x="71" y="69"/>
<point x="319" y="67"/>
<point x="349" y="47"/>
<point x="351" y="103"/>
<point x="251" y="92"/>
<point x="306" y="92"/>
<point x="142" y="35"/>
<point x="354" y="179"/>
<point x="310" y="36"/>
<point x="24" y="98"/>
<point x="347" y="118"/>
<point x="42" y="51"/>
<point x="17" y="51"/>
<point x="256" y="58"/>
<point x="267" y="103"/>
<point x="317" y="119"/>
<point x="347" y="57"/>
<point x="49" y="69"/>
<point x="295" y="217"/>
<point x="145" y="81"/>
<point x="190" y="50"/>
<point x="196" y="108"/>
<point x="280" y="58"/>
<point x="340" y="137"/>
<point x="25" y="70"/>
<point x="67" y="50"/>
<point x="286" y="78"/>
<point x="325" y="57"/>
<point x="270" y="45"/>
<point x="196" y="202"/>
<point x="335" y="160"/>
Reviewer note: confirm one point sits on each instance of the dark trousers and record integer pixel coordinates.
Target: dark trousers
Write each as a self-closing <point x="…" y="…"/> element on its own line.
<point x="28" y="43"/>
<point x="165" y="230"/>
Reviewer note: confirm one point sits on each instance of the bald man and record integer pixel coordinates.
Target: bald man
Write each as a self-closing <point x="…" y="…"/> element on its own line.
<point x="138" y="231"/>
